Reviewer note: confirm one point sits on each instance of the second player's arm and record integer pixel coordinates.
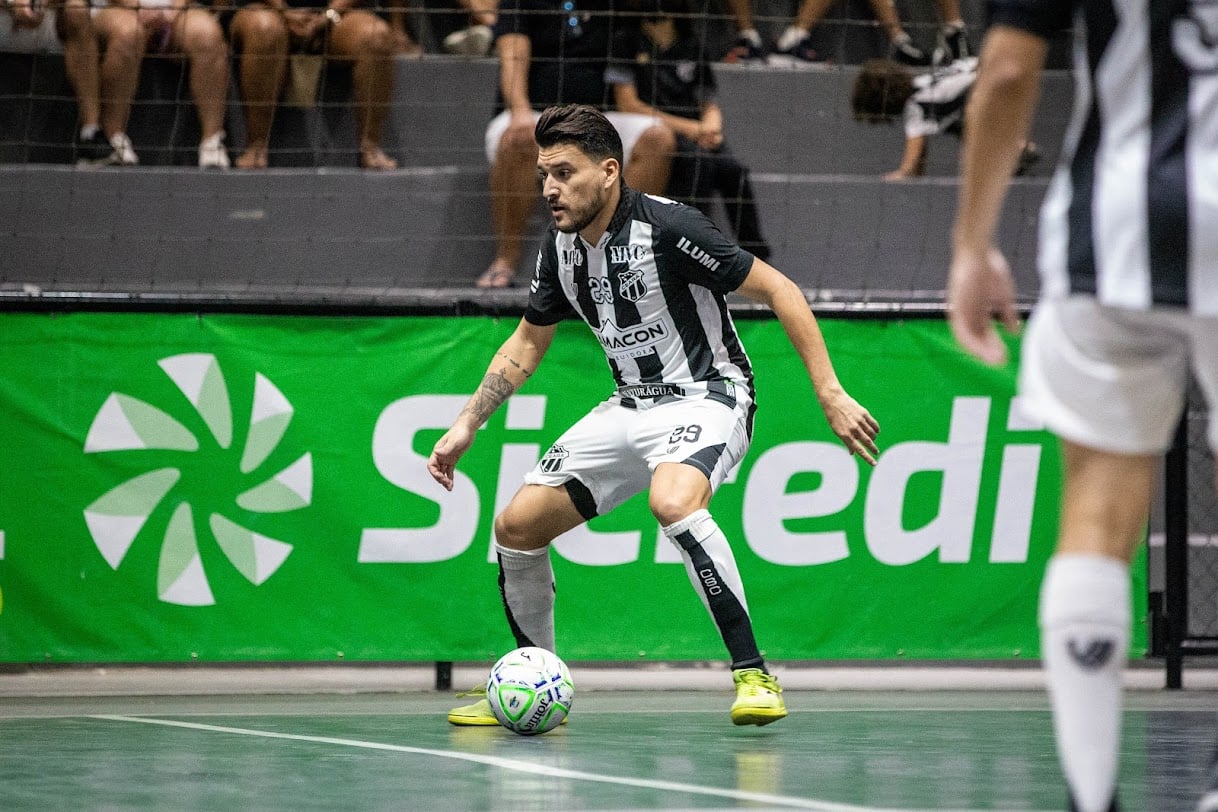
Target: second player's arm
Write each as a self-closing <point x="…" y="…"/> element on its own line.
<point x="999" y="116"/>
<point x="852" y="423"/>
<point x="514" y="363"/>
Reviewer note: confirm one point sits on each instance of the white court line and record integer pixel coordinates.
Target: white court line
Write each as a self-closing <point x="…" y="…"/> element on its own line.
<point x="518" y="766"/>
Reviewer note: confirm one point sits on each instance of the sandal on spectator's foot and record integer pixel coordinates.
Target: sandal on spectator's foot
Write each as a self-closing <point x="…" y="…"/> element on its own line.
<point x="497" y="276"/>
<point x="375" y="158"/>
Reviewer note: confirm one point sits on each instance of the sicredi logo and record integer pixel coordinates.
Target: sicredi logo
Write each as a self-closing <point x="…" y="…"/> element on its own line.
<point x="126" y="424"/>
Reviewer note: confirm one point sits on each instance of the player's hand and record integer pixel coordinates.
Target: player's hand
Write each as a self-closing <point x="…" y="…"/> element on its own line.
<point x="852" y="424"/>
<point x="448" y="449"/>
<point x="980" y="290"/>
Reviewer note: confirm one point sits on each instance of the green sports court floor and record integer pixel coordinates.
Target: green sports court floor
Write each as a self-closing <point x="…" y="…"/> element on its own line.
<point x="290" y="745"/>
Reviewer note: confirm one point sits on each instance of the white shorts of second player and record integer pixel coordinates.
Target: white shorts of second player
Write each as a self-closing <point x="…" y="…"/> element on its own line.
<point x="612" y="451"/>
<point x="630" y="126"/>
<point x="1114" y="379"/>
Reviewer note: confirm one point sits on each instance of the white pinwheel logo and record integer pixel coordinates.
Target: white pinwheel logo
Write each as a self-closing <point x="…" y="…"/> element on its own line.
<point x="125" y="423"/>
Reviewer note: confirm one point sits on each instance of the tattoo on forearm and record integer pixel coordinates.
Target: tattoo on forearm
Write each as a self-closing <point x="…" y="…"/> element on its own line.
<point x="495" y="388"/>
<point x="491" y="394"/>
<point x="514" y="363"/>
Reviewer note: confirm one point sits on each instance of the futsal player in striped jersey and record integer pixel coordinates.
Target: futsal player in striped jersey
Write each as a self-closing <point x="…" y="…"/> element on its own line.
<point x="649" y="277"/>
<point x="1128" y="306"/>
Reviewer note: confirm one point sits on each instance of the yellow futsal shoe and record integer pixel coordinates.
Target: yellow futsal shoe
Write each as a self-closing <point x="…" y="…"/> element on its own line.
<point x="477" y="713"/>
<point x="758" y="698"/>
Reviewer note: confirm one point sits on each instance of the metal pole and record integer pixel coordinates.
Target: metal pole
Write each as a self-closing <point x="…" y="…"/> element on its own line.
<point x="444" y="675"/>
<point x="1175" y="552"/>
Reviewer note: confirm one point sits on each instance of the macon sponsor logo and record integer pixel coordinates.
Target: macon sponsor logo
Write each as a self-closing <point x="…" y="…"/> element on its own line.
<point x="633" y="341"/>
<point x="182" y="470"/>
<point x="698" y="255"/>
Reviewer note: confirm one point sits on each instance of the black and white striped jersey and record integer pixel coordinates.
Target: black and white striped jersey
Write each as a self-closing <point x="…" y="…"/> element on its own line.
<point x="939" y="97"/>
<point x="653" y="291"/>
<point x="1131" y="215"/>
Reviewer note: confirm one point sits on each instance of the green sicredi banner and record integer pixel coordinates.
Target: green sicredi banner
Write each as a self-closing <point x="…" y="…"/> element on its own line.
<point x="253" y="488"/>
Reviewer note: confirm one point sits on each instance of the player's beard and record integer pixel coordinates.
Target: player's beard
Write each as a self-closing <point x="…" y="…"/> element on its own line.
<point x="581" y="216"/>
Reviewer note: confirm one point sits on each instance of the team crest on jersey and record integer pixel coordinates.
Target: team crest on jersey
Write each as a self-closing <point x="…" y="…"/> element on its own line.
<point x="630" y="285"/>
<point x="552" y="462"/>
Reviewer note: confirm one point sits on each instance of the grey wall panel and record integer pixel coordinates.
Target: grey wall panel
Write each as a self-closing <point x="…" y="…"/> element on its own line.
<point x="353" y="235"/>
<point x="798" y="120"/>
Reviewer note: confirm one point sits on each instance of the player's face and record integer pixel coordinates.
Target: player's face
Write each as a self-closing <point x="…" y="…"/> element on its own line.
<point x="576" y="188"/>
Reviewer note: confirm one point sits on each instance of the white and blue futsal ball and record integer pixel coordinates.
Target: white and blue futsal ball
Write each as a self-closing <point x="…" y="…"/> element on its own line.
<point x="530" y="690"/>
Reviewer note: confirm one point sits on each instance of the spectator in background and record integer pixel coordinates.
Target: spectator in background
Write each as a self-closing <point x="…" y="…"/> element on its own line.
<point x="659" y="68"/>
<point x="174" y="28"/>
<point x="796" y="41"/>
<point x="404" y="43"/>
<point x="264" y="32"/>
<point x="929" y="104"/>
<point x="554" y="51"/>
<point x="92" y="66"/>
<point x="475" y="39"/>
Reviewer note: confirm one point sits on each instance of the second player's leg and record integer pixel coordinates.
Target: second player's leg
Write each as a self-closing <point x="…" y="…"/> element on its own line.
<point x="1086" y="612"/>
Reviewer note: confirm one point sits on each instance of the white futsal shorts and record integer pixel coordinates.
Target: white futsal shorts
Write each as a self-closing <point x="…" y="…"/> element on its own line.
<point x="612" y="451"/>
<point x="1116" y="379"/>
<point x="630" y="126"/>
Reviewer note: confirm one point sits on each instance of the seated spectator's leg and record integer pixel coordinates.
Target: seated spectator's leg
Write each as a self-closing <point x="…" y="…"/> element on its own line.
<point x="81" y="61"/>
<point x="122" y="42"/>
<point x="794" y="40"/>
<point x="903" y="48"/>
<point x="475" y="39"/>
<point x="197" y="35"/>
<point x="512" y="153"/>
<point x="366" y="40"/>
<point x="731" y="181"/>
<point x="649" y="146"/>
<point x="683" y="175"/>
<point x="954" y="42"/>
<point x="260" y="38"/>
<point x="403" y="43"/>
<point x="481" y="12"/>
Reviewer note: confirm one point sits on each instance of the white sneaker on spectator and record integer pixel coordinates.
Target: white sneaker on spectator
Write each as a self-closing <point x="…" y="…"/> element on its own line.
<point x="124" y="152"/>
<point x="472" y="41"/>
<point x="212" y="154"/>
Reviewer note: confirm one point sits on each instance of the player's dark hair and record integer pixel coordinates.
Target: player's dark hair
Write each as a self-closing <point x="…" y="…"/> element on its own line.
<point x="880" y="91"/>
<point x="582" y="126"/>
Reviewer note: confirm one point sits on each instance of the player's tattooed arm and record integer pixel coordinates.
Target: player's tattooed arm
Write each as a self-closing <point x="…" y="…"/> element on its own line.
<point x="528" y="373"/>
<point x="512" y="365"/>
<point x="497" y="386"/>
